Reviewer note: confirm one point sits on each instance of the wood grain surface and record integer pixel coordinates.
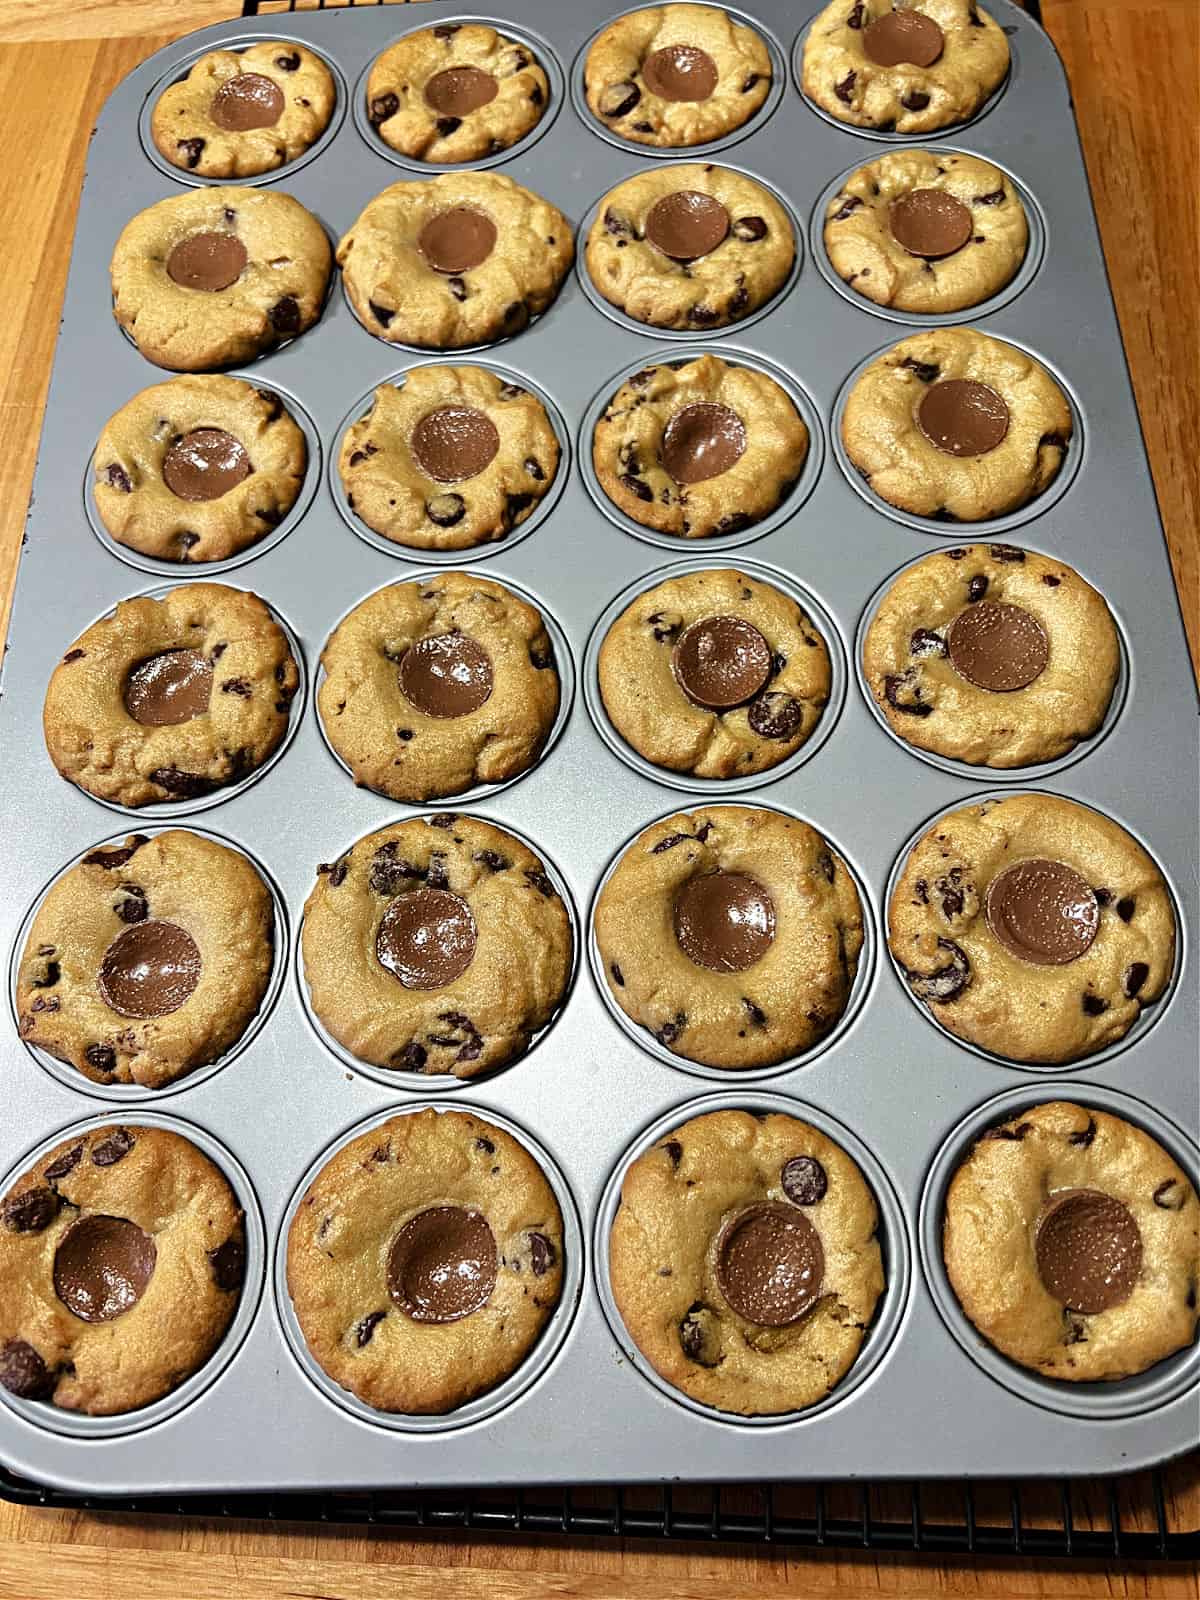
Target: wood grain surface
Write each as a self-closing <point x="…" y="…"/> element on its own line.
<point x="1133" y="70"/>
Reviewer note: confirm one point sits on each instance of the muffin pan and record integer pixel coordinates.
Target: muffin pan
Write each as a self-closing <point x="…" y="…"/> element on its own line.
<point x="925" y="1397"/>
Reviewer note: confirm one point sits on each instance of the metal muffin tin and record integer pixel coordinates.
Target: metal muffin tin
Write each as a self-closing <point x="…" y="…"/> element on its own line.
<point x="928" y="1396"/>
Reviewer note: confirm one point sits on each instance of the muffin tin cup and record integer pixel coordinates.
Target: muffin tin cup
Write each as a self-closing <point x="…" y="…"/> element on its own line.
<point x="1099" y="1401"/>
<point x="1021" y="279"/>
<point x="541" y="1356"/>
<point x="427" y="1083"/>
<point x="690" y="152"/>
<point x="178" y="810"/>
<point x="893" y="1235"/>
<point x="716" y="544"/>
<point x="1037" y="772"/>
<point x="477" y="552"/>
<point x="134" y="1094"/>
<point x="203" y="571"/>
<point x="543" y="53"/>
<point x="42" y="1415"/>
<point x="913" y="140"/>
<point x="179" y="70"/>
<point x="649" y="330"/>
<point x="564" y="663"/>
<point x="1149" y="1014"/>
<point x="987" y="527"/>
<point x="711" y="790"/>
<point x="645" y="1040"/>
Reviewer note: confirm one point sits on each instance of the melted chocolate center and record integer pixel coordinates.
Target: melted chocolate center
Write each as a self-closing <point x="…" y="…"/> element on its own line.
<point x="205" y="464"/>
<point x="248" y="101"/>
<point x="721" y="662"/>
<point x="426" y="938"/>
<point x="102" y="1267"/>
<point x="207" y="261"/>
<point x="454" y="442"/>
<point x="724" y="921"/>
<point x="457" y="240"/>
<point x="702" y="441"/>
<point x="930" y="223"/>
<point x="899" y="38"/>
<point x="686" y="225"/>
<point x="448" y="675"/>
<point x="680" y="72"/>
<point x="458" y="91"/>
<point x="962" y="417"/>
<point x="442" y="1265"/>
<point x="1089" y="1250"/>
<point x="998" y="647"/>
<point x="149" y="970"/>
<point x="1043" y="912"/>
<point x="770" y="1263"/>
<point x="169" y="689"/>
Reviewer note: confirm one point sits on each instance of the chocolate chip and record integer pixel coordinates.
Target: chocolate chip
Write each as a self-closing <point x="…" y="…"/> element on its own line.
<point x="1103" y="896"/>
<point x="757" y="1016"/>
<point x="1051" y="581"/>
<point x="1075" y="1330"/>
<point x="636" y="486"/>
<point x="390" y="873"/>
<point x="924" y="642"/>
<point x="133" y="906"/>
<point x="492" y="860"/>
<point x="405" y="734"/>
<point x="896" y="684"/>
<point x="669" y="843"/>
<point x="697" y="1334"/>
<point x="992" y="198"/>
<point x="510" y="391"/>
<point x="186" y="785"/>
<point x="749" y="81"/>
<point x="288" y="63"/>
<point x="945" y="983"/>
<point x="914" y="100"/>
<point x="670" y="1031"/>
<point x="192" y="150"/>
<point x="855" y="19"/>
<point x="411" y="1057"/>
<point x="1135" y="977"/>
<point x="67" y="1162"/>
<point x="30" y="1211"/>
<point x="102" y="1057"/>
<point x="1171" y="1195"/>
<point x="1093" y="1005"/>
<point x="284" y="316"/>
<point x="444" y="819"/>
<point x="446" y="30"/>
<point x="540" y="882"/>
<point x="514" y="505"/>
<point x="457" y="288"/>
<point x="804" y="1180"/>
<point x="228" y="1264"/>
<point x="446" y="509"/>
<point x="848" y="206"/>
<point x="1007" y="552"/>
<point x="542" y="1254"/>
<point x="618" y="975"/>
<point x="237" y="686"/>
<point x="366" y="1328"/>
<point x="117" y="857"/>
<point x="1006" y="1132"/>
<point x="23" y="1372"/>
<point x="845" y="89"/>
<point x="776" y="716"/>
<point x="675" y="1150"/>
<point x="534" y="468"/>
<point x="1125" y="908"/>
<point x="619" y="99"/>
<point x="749" y="228"/>
<point x="186" y="540"/>
<point x="734" y="523"/>
<point x="447" y="125"/>
<point x="1085" y="1136"/>
<point x="383" y="107"/>
<point x="977" y="587"/>
<point x="703" y="315"/>
<point x="927" y="371"/>
<point x="337" y="870"/>
<point x="48" y="977"/>
<point x="113" y="1149"/>
<point x="74" y="655"/>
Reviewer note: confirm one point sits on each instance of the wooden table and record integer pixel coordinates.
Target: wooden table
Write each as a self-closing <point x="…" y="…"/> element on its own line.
<point x="1133" y="67"/>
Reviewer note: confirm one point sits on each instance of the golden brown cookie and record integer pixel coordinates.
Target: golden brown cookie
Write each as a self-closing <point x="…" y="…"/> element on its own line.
<point x="689" y="247"/>
<point x="1033" y="927"/>
<point x="436" y="945"/>
<point x="122" y="1253"/>
<point x="424" y="1260"/>
<point x="699" y="449"/>
<point x="198" y="469"/>
<point x="205" y="279"/>
<point x="676" y="75"/>
<point x="956" y="425"/>
<point x="912" y="67"/>
<point x="732" y="934"/>
<point x="461" y="259"/>
<point x="169" y="699"/>
<point x="242" y="112"/>
<point x="147" y="959"/>
<point x="455" y="92"/>
<point x="714" y="673"/>
<point x="992" y="655"/>
<point x="744" y="1261"/>
<point x="451" y="458"/>
<point x="926" y="230"/>
<point x="434" y="686"/>
<point x="1072" y="1240"/>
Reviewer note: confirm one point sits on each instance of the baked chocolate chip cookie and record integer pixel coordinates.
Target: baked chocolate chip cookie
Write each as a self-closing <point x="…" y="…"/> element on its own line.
<point x="744" y="1261"/>
<point x="913" y="67"/>
<point x="1072" y="1240"/>
<point x="992" y="655"/>
<point x="455" y="92"/>
<point x="148" y="959"/>
<point x="689" y="247"/>
<point x="450" y="458"/>
<point x="436" y="945"/>
<point x="212" y="277"/>
<point x="425" y="1260"/>
<point x="434" y="686"/>
<point x="170" y="699"/>
<point x="700" y="448"/>
<point x="198" y="469"/>
<point x="122" y="1253"/>
<point x="242" y="112"/>
<point x="731" y="934"/>
<point x="714" y="673"/>
<point x="460" y="259"/>
<point x="955" y="425"/>
<point x="676" y="75"/>
<point x="1033" y="927"/>
<point x="926" y="231"/>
